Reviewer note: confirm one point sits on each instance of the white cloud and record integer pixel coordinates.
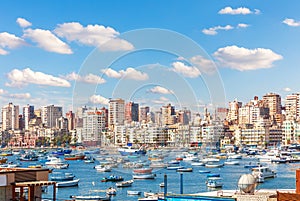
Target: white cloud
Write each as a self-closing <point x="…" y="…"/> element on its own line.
<point x="19" y="78"/>
<point x="97" y="99"/>
<point x="242" y="25"/>
<point x="47" y="41"/>
<point x="2" y="91"/>
<point x="291" y="22"/>
<point x="20" y="96"/>
<point x="90" y="78"/>
<point x="9" y="41"/>
<point x="106" y="38"/>
<point x="23" y="22"/>
<point x="129" y="73"/>
<point x="238" y="11"/>
<point x="160" y="90"/>
<point x="287" y="89"/>
<point x="213" y="30"/>
<point x="203" y="64"/>
<point x="186" y="71"/>
<point x="161" y="101"/>
<point x="242" y="59"/>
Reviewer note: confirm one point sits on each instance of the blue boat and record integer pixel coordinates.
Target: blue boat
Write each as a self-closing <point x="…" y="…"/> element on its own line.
<point x="213" y="175"/>
<point x="62" y="152"/>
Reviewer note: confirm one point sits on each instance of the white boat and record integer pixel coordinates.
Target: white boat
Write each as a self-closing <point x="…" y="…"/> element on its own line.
<point x="60" y="176"/>
<point x="231" y="162"/>
<point x="56" y="163"/>
<point x="124" y="183"/>
<point x="197" y="164"/>
<point x="133" y="192"/>
<point x="143" y="176"/>
<point x="235" y="156"/>
<point x="67" y="183"/>
<point x="128" y="150"/>
<point x="207" y="160"/>
<point x="103" y="168"/>
<point x="263" y="172"/>
<point x="162" y="184"/>
<point x="90" y="198"/>
<point x="214" y="165"/>
<point x="111" y="191"/>
<point x="214" y="182"/>
<point x="174" y="167"/>
<point x="185" y="170"/>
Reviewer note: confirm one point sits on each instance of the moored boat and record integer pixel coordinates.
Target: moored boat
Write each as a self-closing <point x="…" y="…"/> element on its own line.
<point x="90" y="198"/>
<point x="112" y="178"/>
<point x="67" y="183"/>
<point x="129" y="150"/>
<point x="263" y="172"/>
<point x="59" y="176"/>
<point x="124" y="183"/>
<point x="133" y="192"/>
<point x="142" y="170"/>
<point x="214" y="182"/>
<point x="143" y="176"/>
<point x="185" y="170"/>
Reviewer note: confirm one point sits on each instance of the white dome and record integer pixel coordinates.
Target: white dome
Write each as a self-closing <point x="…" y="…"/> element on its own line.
<point x="247" y="183"/>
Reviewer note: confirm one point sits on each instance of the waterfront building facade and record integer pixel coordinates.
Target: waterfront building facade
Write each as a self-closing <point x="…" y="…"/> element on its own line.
<point x="10" y="117"/>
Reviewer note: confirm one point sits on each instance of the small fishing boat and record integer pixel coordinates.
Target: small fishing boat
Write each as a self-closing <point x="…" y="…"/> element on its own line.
<point x="142" y="170"/>
<point x="74" y="157"/>
<point x="59" y="176"/>
<point x="112" y="178"/>
<point x="111" y="191"/>
<point x="231" y="162"/>
<point x="90" y="198"/>
<point x="133" y="192"/>
<point x="67" y="183"/>
<point x="143" y="176"/>
<point x="185" y="170"/>
<point x="124" y="183"/>
<point x="214" y="165"/>
<point x="213" y="175"/>
<point x="198" y="164"/>
<point x="214" y="182"/>
<point x="263" y="172"/>
<point x="103" y="168"/>
<point x="204" y="171"/>
<point x="162" y="184"/>
<point x="174" y="167"/>
<point x="174" y="162"/>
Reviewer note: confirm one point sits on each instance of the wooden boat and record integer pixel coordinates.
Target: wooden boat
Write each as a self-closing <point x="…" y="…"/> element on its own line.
<point x="133" y="192"/>
<point x="185" y="170"/>
<point x="142" y="171"/>
<point x="124" y="183"/>
<point x="73" y="157"/>
<point x="3" y="160"/>
<point x="67" y="183"/>
<point x="90" y="198"/>
<point x="143" y="176"/>
<point x="112" y="178"/>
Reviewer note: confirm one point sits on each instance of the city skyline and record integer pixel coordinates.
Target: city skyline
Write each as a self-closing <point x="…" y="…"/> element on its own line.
<point x="47" y="50"/>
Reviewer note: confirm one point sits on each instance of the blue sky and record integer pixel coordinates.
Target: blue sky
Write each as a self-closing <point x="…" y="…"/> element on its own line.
<point x="72" y="53"/>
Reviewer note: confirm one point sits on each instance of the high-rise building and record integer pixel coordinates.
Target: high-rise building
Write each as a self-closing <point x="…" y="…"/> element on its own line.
<point x="292" y="106"/>
<point x="49" y="115"/>
<point x="233" y="111"/>
<point x="131" y="112"/>
<point x="71" y="120"/>
<point x="93" y="126"/>
<point x="10" y="117"/>
<point x="143" y="113"/>
<point x="184" y="116"/>
<point x="116" y="112"/>
<point x="168" y="114"/>
<point x="273" y="102"/>
<point x="28" y="114"/>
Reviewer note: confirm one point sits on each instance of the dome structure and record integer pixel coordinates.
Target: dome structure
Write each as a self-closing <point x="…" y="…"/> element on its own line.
<point x="247" y="183"/>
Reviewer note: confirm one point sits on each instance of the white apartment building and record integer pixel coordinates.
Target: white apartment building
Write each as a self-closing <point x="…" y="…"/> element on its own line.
<point x="10" y="117"/>
<point x="49" y="114"/>
<point x="93" y="125"/>
<point x="292" y="106"/>
<point x="116" y="112"/>
<point x="28" y="114"/>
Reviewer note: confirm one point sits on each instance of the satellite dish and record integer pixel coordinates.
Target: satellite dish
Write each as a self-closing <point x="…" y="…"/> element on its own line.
<point x="247" y="183"/>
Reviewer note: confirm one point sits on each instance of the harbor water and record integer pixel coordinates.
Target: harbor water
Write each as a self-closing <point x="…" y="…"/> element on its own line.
<point x="193" y="182"/>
